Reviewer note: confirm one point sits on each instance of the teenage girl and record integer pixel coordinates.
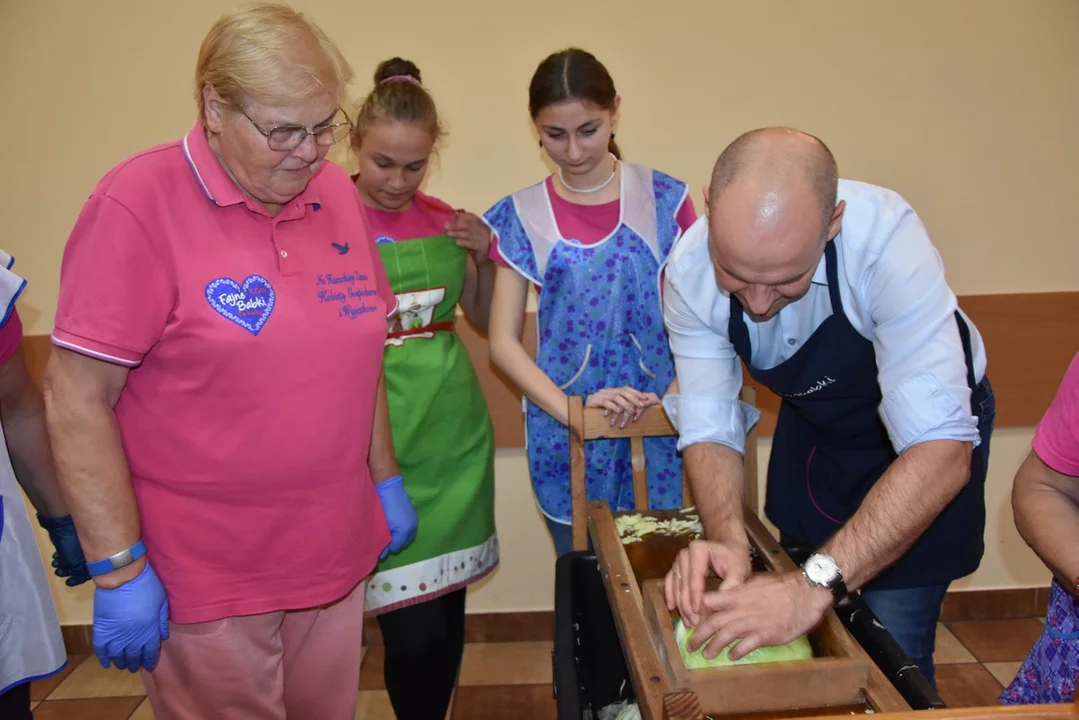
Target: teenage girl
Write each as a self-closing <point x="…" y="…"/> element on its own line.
<point x="593" y="238"/>
<point x="442" y="432"/>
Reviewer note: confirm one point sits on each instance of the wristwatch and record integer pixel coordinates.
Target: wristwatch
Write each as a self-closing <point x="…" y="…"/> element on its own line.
<point x="821" y="570"/>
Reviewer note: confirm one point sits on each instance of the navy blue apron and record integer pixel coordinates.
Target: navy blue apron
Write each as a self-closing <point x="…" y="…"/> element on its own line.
<point x="830" y="446"/>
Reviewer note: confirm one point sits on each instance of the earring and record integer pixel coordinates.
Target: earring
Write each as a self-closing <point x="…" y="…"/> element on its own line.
<point x="541" y="143"/>
<point x="612" y="135"/>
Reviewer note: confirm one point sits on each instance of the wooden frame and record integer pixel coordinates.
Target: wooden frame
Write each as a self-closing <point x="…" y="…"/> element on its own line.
<point x="835" y="677"/>
<point x="658" y="699"/>
<point x="657" y="696"/>
<point x="591" y="424"/>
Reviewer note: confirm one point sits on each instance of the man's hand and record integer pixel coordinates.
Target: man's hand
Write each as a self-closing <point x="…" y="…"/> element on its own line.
<point x="684" y="584"/>
<point x="767" y="610"/>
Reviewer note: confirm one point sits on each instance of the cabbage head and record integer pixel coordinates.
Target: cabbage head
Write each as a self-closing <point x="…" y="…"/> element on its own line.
<point x="799" y="649"/>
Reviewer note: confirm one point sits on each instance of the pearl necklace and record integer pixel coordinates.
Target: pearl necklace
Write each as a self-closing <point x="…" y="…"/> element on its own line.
<point x="597" y="188"/>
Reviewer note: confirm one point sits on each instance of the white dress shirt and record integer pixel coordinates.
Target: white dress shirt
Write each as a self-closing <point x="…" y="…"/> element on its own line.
<point x="891" y="282"/>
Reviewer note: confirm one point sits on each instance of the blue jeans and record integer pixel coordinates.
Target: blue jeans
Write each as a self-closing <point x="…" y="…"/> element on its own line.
<point x="562" y="536"/>
<point x="910" y="616"/>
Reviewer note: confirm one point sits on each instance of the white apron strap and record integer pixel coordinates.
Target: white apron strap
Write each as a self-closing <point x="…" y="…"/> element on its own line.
<point x="639" y="205"/>
<point x="537" y="218"/>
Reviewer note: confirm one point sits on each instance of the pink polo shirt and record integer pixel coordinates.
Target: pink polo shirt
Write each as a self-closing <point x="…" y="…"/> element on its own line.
<point x="255" y="347"/>
<point x="425" y="217"/>
<point x="1056" y="439"/>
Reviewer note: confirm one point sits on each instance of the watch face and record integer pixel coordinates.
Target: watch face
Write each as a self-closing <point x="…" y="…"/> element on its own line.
<point x="821" y="569"/>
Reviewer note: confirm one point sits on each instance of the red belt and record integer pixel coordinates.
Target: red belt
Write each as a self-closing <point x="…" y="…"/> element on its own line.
<point x="432" y="328"/>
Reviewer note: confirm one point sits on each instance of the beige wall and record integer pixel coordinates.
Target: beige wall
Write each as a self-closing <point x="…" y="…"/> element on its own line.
<point x="967" y="107"/>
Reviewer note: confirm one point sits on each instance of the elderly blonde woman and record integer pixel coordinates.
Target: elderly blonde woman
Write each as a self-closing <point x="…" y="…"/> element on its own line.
<point x="215" y="396"/>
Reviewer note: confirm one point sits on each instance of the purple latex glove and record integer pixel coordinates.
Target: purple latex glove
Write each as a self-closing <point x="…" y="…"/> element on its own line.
<point x="400" y="515"/>
<point x="130" y="622"/>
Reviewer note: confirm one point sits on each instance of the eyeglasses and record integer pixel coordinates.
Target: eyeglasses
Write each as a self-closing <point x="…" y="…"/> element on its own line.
<point x="288" y="137"/>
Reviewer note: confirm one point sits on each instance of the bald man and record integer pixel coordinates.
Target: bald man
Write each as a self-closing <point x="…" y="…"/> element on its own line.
<point x="832" y="294"/>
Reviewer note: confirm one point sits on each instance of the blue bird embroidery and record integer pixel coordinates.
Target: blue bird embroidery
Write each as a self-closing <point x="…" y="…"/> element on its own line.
<point x="341" y="249"/>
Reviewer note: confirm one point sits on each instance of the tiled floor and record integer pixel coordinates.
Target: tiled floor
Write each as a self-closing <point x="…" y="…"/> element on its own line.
<point x="975" y="660"/>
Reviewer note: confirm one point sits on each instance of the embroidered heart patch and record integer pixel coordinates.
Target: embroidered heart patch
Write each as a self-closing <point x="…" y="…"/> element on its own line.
<point x="248" y="305"/>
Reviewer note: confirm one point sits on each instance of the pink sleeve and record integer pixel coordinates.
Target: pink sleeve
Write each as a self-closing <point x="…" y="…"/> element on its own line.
<point x="436" y="207"/>
<point x="116" y="289"/>
<point x="1056" y="439"/>
<point x="385" y="290"/>
<point x="687" y="214"/>
<point x="494" y="254"/>
<point x="10" y="336"/>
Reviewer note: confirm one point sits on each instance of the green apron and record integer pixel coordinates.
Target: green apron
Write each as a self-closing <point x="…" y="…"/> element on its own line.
<point x="442" y="432"/>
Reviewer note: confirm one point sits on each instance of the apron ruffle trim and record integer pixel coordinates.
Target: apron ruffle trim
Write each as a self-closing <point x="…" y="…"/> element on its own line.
<point x="426" y="580"/>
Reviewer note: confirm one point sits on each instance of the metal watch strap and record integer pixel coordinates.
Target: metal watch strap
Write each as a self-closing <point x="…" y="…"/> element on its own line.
<point x="117" y="561"/>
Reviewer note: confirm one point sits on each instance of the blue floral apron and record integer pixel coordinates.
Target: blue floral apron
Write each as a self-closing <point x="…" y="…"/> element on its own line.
<point x="600" y="325"/>
<point x="830" y="446"/>
<point x="1049" y="672"/>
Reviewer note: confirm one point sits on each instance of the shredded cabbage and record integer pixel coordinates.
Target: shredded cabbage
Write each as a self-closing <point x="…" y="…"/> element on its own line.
<point x="622" y="710"/>
<point x="799" y="649"/>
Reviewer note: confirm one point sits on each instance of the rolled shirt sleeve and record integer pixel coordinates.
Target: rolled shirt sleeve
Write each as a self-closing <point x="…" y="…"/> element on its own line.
<point x="707" y="408"/>
<point x="920" y="359"/>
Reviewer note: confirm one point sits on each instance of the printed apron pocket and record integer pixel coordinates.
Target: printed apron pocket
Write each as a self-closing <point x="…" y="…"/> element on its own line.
<point x="640" y="357"/>
<point x="580" y="371"/>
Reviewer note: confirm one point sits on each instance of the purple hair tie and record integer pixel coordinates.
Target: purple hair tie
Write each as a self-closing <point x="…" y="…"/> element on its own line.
<point x="401" y="78"/>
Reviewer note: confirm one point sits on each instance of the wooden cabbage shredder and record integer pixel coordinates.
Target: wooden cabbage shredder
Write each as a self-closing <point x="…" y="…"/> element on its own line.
<point x="840" y="680"/>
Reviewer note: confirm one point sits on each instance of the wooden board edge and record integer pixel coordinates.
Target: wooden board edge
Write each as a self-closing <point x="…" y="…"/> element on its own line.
<point x="646" y="672"/>
<point x="682" y="706"/>
<point x="1061" y="711"/>
<point x="821" y="682"/>
<point x="774" y="556"/>
<point x="882" y="696"/>
<point x="659" y="622"/>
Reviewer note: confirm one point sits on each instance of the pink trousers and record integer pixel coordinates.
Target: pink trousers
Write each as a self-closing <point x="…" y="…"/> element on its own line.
<point x="295" y="665"/>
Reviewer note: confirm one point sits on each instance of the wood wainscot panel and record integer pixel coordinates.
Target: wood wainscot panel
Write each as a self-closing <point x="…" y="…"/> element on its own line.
<point x="1030" y="339"/>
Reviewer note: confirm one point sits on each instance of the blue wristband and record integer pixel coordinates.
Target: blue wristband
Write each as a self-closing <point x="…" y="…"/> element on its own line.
<point x="117" y="561"/>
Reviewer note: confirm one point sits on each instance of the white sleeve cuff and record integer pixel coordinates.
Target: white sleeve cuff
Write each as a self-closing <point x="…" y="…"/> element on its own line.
<point x="921" y="408"/>
<point x="709" y="419"/>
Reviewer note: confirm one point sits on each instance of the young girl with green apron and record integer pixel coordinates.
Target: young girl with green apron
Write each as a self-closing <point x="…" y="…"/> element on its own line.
<point x="442" y="431"/>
